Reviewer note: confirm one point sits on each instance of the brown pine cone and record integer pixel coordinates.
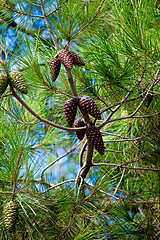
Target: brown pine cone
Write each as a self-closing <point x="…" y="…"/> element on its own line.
<point x="88" y="105"/>
<point x="70" y="110"/>
<point x="54" y="65"/>
<point x="80" y="123"/>
<point x="66" y="58"/>
<point x="77" y="60"/>
<point x="94" y="136"/>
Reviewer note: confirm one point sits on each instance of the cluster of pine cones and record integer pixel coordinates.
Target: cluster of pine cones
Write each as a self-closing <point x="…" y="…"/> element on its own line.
<point x="16" y="79"/>
<point x="88" y="105"/>
<point x="67" y="58"/>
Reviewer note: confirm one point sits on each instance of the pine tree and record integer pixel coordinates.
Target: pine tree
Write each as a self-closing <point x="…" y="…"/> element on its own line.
<point x="53" y="185"/>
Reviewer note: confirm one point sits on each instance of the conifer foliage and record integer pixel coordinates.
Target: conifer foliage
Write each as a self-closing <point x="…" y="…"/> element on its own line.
<point x="80" y="119"/>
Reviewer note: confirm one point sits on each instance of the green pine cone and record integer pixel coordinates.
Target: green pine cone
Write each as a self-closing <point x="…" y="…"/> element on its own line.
<point x="18" y="81"/>
<point x="3" y="83"/>
<point x="10" y="214"/>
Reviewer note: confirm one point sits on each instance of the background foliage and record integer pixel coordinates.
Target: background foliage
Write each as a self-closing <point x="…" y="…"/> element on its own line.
<point x="39" y="163"/>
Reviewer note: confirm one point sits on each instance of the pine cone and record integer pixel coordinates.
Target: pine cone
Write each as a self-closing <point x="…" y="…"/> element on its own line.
<point x="80" y="123"/>
<point x="10" y="214"/>
<point x="95" y="137"/>
<point x="88" y="105"/>
<point x="3" y="83"/>
<point x="54" y="65"/>
<point x="76" y="59"/>
<point x="70" y="110"/>
<point x="66" y="58"/>
<point x="18" y="81"/>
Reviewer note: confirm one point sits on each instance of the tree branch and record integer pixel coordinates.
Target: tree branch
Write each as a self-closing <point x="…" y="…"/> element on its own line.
<point x="123" y="166"/>
<point x="156" y="80"/>
<point x="129" y="139"/>
<point x="118" y="106"/>
<point x="116" y="189"/>
<point x="43" y="119"/>
<point x="57" y="185"/>
<point x="48" y="26"/>
<point x="97" y="12"/>
<point x="57" y="159"/>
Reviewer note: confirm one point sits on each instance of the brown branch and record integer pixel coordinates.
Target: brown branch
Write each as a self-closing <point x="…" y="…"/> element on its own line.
<point x="29" y="14"/>
<point x="81" y="154"/>
<point x="12" y="115"/>
<point x="74" y="210"/>
<point x="57" y="159"/>
<point x="48" y="26"/>
<point x="6" y="192"/>
<point x="128" y="100"/>
<point x="56" y="8"/>
<point x="129" y="116"/>
<point x="20" y="12"/>
<point x="123" y="166"/>
<point x="116" y="189"/>
<point x="57" y="185"/>
<point x="43" y="119"/>
<point x="129" y="139"/>
<point x="118" y="106"/>
<point x="6" y="95"/>
<point x="88" y="162"/>
<point x="69" y="224"/>
<point x="97" y="12"/>
<point x="156" y="80"/>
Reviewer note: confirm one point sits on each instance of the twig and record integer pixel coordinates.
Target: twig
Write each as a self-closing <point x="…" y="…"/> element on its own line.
<point x="88" y="160"/>
<point x="123" y="166"/>
<point x="127" y="100"/>
<point x="43" y="119"/>
<point x="6" y="192"/>
<point x="80" y="185"/>
<point x="57" y="159"/>
<point x="48" y="26"/>
<point x="29" y="14"/>
<point x="109" y="150"/>
<point x="97" y="12"/>
<point x="110" y="195"/>
<point x="12" y="115"/>
<point x="156" y="80"/>
<point x="129" y="139"/>
<point x="69" y="224"/>
<point x="81" y="154"/>
<point x="118" y="106"/>
<point x="6" y="95"/>
<point x="56" y="8"/>
<point x="129" y="116"/>
<point x="57" y="185"/>
<point x="116" y="189"/>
